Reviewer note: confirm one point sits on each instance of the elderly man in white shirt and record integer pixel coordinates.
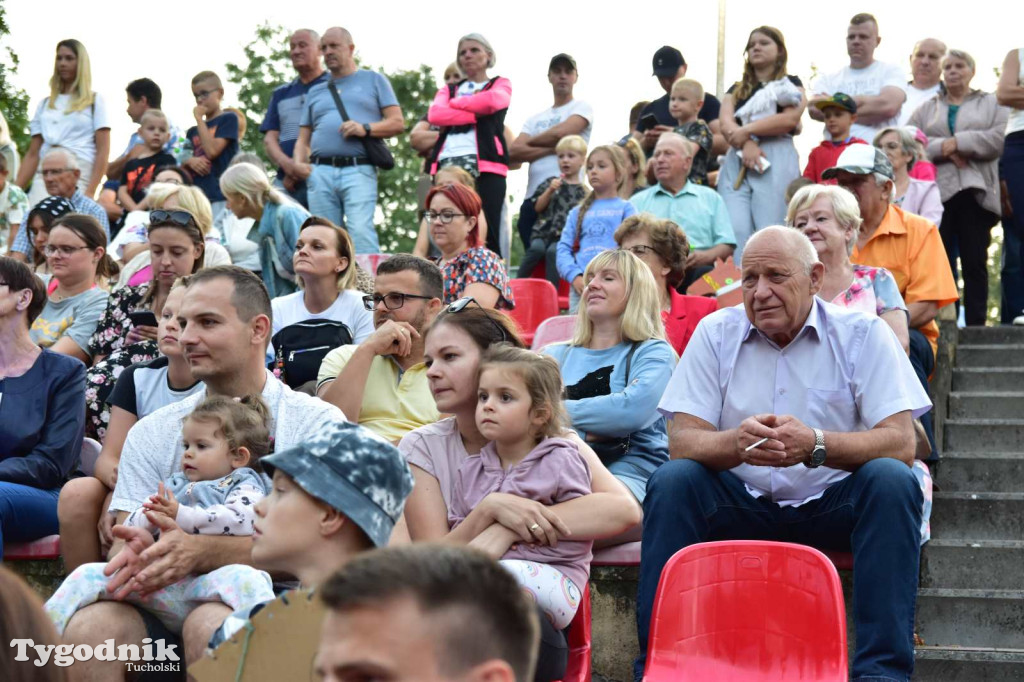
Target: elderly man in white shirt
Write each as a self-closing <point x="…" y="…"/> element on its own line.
<point x="791" y="419"/>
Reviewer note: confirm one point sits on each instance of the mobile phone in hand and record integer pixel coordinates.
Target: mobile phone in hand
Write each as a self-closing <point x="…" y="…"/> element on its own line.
<point x="142" y="318"/>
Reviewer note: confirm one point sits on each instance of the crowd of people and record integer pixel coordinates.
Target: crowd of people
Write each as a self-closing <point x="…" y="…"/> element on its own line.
<point x="273" y="398"/>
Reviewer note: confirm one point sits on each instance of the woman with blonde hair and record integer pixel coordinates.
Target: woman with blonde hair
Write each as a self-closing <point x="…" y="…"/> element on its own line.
<point x="636" y="167"/>
<point x="616" y="367"/>
<point x="73" y="117"/>
<point x="248" y="194"/>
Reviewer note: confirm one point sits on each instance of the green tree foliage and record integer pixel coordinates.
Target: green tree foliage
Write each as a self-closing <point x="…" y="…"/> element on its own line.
<point x="266" y="65"/>
<point x="13" y="100"/>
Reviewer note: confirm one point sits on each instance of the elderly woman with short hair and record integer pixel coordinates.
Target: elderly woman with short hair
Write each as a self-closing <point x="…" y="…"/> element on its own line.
<point x="662" y="245"/>
<point x="830" y="217"/>
<point x="920" y="197"/>
<point x="965" y="129"/>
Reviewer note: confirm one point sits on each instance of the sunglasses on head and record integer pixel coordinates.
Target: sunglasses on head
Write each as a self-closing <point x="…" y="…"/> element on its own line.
<point x="183" y="218"/>
<point x="460" y="305"/>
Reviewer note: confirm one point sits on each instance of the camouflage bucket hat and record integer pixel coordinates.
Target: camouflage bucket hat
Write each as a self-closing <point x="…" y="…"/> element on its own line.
<point x="354" y="471"/>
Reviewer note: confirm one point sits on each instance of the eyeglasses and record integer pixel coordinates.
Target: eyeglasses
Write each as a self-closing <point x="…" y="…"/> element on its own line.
<point x="460" y="305"/>
<point x="392" y="301"/>
<point x="65" y="251"/>
<point x="49" y="172"/>
<point x="640" y="249"/>
<point x="203" y="94"/>
<point x="183" y="218"/>
<point x="444" y="217"/>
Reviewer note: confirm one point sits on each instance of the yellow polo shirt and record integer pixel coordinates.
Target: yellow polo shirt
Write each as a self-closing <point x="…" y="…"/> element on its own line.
<point x="394" y="402"/>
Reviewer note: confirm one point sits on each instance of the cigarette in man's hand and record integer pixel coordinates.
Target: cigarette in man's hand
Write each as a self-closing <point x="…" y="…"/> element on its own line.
<point x="760" y="442"/>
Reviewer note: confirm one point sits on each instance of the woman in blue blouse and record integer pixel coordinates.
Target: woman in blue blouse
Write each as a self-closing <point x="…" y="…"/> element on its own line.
<point x="42" y="413"/>
<point x="616" y="367"/>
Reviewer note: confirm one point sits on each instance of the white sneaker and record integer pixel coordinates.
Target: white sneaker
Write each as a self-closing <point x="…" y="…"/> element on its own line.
<point x="1019" y="320"/>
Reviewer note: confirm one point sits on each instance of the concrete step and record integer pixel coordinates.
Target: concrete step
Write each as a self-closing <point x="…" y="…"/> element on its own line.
<point x="991" y="472"/>
<point x="978" y="516"/>
<point x="991" y="335"/>
<point x="986" y="405"/>
<point x="972" y="564"/>
<point x="971" y="618"/>
<point x="984" y="435"/>
<point x="988" y="378"/>
<point x="968" y="664"/>
<point x="990" y="355"/>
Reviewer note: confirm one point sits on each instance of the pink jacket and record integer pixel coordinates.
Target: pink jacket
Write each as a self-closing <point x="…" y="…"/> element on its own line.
<point x="485" y="111"/>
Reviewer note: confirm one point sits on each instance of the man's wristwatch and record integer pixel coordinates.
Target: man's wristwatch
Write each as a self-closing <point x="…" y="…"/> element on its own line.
<point x="817" y="457"/>
<point x="366" y="127"/>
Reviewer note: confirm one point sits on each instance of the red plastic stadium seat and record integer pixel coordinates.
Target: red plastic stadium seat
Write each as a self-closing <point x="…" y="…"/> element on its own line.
<point x="553" y="330"/>
<point x="43" y="548"/>
<point x="536" y="301"/>
<point x="578" y="668"/>
<point x="748" y="610"/>
<point x="539" y="272"/>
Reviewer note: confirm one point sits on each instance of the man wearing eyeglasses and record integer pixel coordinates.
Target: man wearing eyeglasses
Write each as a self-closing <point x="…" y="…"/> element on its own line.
<point x="383" y="380"/>
<point x="60" y="174"/>
<point x="698" y="210"/>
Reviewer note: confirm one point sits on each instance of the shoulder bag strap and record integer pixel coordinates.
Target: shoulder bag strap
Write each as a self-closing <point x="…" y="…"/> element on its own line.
<point x="337" y="100"/>
<point x="629" y="360"/>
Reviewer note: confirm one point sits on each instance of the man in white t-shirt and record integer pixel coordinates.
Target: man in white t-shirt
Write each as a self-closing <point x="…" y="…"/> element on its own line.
<point x="926" y="69"/>
<point x="542" y="131"/>
<point x="225" y="319"/>
<point x="876" y="87"/>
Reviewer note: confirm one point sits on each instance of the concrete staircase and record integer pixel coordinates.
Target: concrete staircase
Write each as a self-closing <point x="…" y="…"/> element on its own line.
<point x="970" y="607"/>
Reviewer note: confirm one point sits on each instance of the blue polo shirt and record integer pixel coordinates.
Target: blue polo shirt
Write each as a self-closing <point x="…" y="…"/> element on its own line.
<point x="700" y="211"/>
<point x="364" y="93"/>
<point x="285" y="110"/>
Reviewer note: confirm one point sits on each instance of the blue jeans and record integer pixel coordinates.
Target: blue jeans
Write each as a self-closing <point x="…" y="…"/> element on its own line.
<point x="1012" y="276"/>
<point x="875" y="512"/>
<point x="26" y="513"/>
<point x="347" y="197"/>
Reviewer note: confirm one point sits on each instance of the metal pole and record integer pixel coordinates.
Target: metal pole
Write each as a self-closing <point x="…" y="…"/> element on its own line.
<point x="720" y="85"/>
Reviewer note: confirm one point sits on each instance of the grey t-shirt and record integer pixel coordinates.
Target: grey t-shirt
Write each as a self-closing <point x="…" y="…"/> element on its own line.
<point x="364" y="94"/>
<point x="75" y="317"/>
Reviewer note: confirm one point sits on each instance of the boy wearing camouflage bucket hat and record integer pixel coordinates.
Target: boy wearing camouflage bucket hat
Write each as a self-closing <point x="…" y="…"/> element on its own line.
<point x="334" y="495"/>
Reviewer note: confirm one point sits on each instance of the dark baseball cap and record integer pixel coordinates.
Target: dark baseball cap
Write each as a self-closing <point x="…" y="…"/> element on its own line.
<point x="667" y="61"/>
<point x="839" y="100"/>
<point x="354" y="471"/>
<point x="562" y="58"/>
<point x="860" y="159"/>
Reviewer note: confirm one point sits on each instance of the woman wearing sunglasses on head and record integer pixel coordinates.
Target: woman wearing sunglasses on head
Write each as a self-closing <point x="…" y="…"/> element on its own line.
<point x="76" y="252"/>
<point x="469" y="268"/>
<point x="124" y="335"/>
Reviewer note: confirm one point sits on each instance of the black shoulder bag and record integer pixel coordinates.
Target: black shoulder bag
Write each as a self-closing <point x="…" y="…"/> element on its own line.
<point x="611" y="449"/>
<point x="376" y="149"/>
<point x="300" y="348"/>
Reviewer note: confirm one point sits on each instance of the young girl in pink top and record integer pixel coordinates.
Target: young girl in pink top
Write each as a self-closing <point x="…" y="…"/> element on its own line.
<point x="520" y="411"/>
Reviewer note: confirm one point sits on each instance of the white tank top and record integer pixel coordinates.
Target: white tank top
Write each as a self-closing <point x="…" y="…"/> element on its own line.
<point x="1015" y="123"/>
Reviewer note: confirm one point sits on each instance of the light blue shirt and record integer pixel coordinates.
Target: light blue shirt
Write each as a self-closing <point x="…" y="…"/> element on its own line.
<point x="597" y="235"/>
<point x="699" y="210"/>
<point x="844" y="371"/>
<point x="82" y="204"/>
<point x="364" y="93"/>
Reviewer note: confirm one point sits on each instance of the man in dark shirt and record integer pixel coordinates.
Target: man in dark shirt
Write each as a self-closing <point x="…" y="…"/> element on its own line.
<point x="280" y="127"/>
<point x="655" y="119"/>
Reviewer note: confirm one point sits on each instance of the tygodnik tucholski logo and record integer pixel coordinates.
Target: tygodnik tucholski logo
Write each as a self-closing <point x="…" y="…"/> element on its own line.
<point x="152" y="656"/>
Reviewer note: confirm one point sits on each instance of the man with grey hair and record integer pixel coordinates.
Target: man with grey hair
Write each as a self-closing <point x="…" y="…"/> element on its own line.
<point x="926" y="69"/>
<point x="60" y="173"/>
<point x="330" y="151"/>
<point x="280" y="127"/>
<point x="791" y="419"/>
<point x="698" y="210"/>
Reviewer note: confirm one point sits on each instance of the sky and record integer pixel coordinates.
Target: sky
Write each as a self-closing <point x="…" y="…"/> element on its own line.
<point x="612" y="47"/>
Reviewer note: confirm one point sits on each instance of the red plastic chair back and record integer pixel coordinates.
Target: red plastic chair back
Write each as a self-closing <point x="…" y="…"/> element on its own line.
<point x="43" y="548"/>
<point x="748" y="610"/>
<point x="540" y="272"/>
<point x="578" y="668"/>
<point x="536" y="301"/>
<point x="553" y="330"/>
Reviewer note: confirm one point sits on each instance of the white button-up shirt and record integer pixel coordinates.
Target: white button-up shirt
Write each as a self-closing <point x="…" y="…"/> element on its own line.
<point x="844" y="371"/>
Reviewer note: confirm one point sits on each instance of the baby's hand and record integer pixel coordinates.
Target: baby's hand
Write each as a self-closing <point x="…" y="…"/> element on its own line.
<point x="162" y="503"/>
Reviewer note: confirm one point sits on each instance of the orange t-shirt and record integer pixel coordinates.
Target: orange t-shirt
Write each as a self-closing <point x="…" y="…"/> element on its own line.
<point x="910" y="247"/>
